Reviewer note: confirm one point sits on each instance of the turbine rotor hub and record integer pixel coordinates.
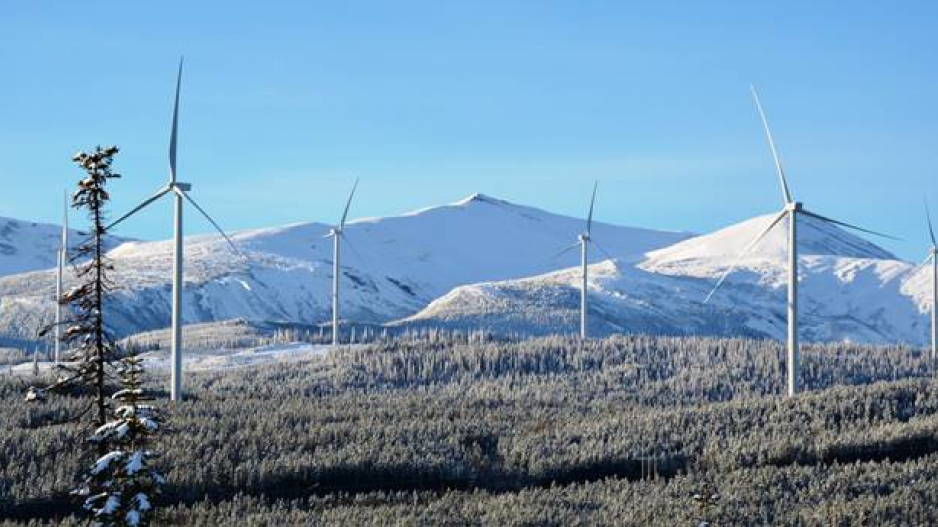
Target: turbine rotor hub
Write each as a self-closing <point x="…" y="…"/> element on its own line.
<point x="794" y="206"/>
<point x="185" y="187"/>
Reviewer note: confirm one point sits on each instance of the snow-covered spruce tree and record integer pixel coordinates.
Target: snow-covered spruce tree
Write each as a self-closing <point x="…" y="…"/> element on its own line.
<point x="122" y="483"/>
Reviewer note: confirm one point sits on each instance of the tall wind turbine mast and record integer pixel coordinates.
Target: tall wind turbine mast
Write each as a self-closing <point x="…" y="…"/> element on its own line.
<point x="933" y="256"/>
<point x="180" y="193"/>
<point x="583" y="240"/>
<point x="337" y="233"/>
<point x="60" y="279"/>
<point x="790" y="211"/>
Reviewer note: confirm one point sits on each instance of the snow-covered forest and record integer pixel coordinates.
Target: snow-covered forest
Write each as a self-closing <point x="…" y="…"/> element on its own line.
<point x="449" y="428"/>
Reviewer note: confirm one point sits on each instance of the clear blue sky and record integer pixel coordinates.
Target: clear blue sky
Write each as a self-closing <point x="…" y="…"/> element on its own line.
<point x="284" y="103"/>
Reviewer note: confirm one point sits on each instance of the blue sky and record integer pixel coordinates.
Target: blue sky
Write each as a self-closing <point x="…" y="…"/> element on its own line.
<point x="285" y="103"/>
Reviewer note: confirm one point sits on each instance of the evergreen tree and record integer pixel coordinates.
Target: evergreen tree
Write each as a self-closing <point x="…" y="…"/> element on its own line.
<point x="122" y="483"/>
<point x="93" y="348"/>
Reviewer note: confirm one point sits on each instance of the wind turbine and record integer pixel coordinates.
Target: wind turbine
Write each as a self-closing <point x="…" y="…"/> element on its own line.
<point x="933" y="257"/>
<point x="791" y="210"/>
<point x="180" y="194"/>
<point x="337" y="233"/>
<point x="59" y="278"/>
<point x="583" y="240"/>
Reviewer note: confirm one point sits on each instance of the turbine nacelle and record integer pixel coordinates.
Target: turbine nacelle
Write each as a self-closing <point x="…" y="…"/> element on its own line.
<point x="794" y="206"/>
<point x="185" y="187"/>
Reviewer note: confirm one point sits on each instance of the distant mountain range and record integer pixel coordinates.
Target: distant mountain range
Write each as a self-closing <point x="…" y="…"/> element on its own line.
<point x="851" y="290"/>
<point x="27" y="246"/>
<point x="393" y="267"/>
<point x="483" y="263"/>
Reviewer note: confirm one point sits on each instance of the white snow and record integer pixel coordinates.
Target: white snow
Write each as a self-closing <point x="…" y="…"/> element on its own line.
<point x="29" y="246"/>
<point x="104" y="462"/>
<point x="126" y="391"/>
<point x="113" y="502"/>
<point x="143" y="502"/>
<point x="284" y="353"/>
<point x="110" y="428"/>
<point x="208" y="361"/>
<point x="135" y="463"/>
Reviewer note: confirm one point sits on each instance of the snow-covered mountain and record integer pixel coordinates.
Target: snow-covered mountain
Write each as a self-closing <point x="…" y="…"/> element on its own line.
<point x="487" y="263"/>
<point x="392" y="267"/>
<point x="28" y="246"/>
<point x="850" y="290"/>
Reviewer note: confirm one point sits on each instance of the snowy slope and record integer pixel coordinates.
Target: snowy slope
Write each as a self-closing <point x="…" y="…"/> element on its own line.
<point x="392" y="267"/>
<point x="850" y="290"/>
<point x="27" y="246"/>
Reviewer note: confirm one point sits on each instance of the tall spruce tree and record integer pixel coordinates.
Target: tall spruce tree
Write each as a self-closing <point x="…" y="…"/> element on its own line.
<point x="118" y="486"/>
<point x="93" y="349"/>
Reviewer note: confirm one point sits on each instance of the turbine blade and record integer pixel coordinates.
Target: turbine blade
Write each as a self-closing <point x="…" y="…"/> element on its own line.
<point x="589" y="218"/>
<point x="137" y="209"/>
<point x="565" y="251"/>
<point x="931" y="230"/>
<point x="606" y="254"/>
<point x="768" y="134"/>
<point x="174" y="133"/>
<point x="209" y="218"/>
<point x="847" y="225"/>
<point x="348" y="204"/>
<point x="920" y="266"/>
<point x="349" y="244"/>
<point x="744" y="252"/>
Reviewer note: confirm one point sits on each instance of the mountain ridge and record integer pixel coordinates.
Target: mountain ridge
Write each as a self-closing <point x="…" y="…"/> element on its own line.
<point x="392" y="267"/>
<point x="860" y="292"/>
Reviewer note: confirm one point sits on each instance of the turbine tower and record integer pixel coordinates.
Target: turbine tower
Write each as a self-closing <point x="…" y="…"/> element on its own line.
<point x="933" y="257"/>
<point x="337" y="233"/>
<point x="180" y="194"/>
<point x="791" y="211"/>
<point x="583" y="241"/>
<point x="59" y="277"/>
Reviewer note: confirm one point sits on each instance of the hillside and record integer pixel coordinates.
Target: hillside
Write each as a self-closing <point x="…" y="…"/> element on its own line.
<point x="851" y="290"/>
<point x="29" y="246"/>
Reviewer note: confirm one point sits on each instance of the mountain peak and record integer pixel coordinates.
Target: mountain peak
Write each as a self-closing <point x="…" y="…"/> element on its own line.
<point x="478" y="197"/>
<point x="815" y="237"/>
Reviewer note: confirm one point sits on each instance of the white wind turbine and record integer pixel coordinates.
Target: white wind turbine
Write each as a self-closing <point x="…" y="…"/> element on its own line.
<point x="59" y="278"/>
<point x="180" y="194"/>
<point x="583" y="241"/>
<point x="337" y="233"/>
<point x="933" y="257"/>
<point x="792" y="209"/>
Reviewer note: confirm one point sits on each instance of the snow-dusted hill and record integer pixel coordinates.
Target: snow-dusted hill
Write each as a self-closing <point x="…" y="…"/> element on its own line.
<point x="851" y="290"/>
<point x="392" y="267"/>
<point x="27" y="246"/>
